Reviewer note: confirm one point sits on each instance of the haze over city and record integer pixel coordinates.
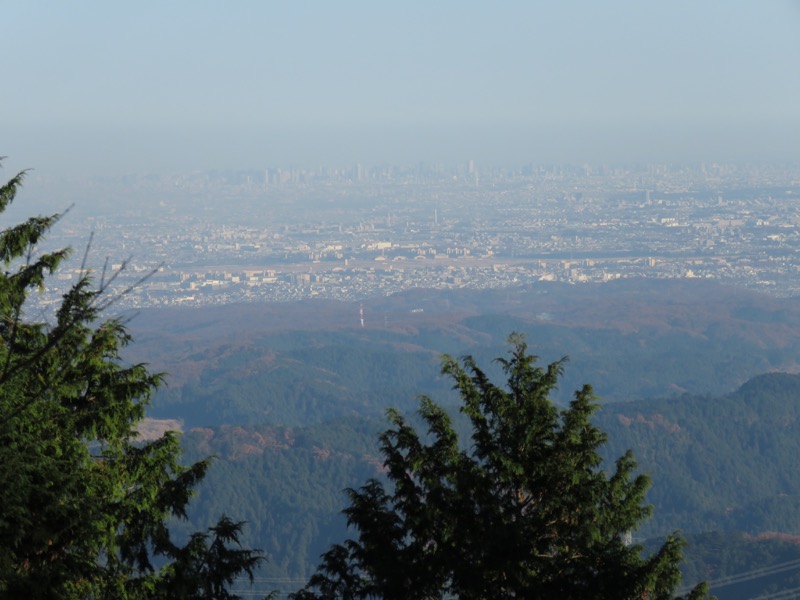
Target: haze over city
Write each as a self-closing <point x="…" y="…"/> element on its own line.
<point x="302" y="218"/>
<point x="110" y="88"/>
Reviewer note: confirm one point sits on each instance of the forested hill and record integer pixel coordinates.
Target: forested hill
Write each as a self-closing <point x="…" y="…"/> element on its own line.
<point x="724" y="464"/>
<point x="309" y="362"/>
<point x="291" y="398"/>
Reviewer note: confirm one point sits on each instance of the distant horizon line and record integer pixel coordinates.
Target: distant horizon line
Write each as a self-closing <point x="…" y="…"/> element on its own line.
<point x="467" y="166"/>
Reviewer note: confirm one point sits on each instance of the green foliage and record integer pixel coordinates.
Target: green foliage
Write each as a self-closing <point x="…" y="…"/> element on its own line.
<point x="526" y="511"/>
<point x="724" y="463"/>
<point x="83" y="503"/>
<point x="287" y="483"/>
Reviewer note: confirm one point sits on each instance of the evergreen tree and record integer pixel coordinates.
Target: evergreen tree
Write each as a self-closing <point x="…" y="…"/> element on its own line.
<point x="525" y="511"/>
<point x="83" y="504"/>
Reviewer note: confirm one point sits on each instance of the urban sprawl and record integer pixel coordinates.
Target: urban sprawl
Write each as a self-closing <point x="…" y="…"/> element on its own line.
<point x="352" y="233"/>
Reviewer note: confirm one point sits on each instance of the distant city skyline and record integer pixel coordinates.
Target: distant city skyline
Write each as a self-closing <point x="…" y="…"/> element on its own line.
<point x="111" y="88"/>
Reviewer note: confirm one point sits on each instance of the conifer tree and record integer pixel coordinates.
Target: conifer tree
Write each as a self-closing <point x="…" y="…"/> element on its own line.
<point x="525" y="509"/>
<point x="84" y="505"/>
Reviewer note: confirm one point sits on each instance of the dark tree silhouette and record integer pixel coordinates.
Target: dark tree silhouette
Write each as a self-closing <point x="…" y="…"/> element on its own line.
<point x="526" y="510"/>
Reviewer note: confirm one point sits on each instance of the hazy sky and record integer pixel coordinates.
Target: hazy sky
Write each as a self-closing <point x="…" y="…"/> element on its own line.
<point x="116" y="87"/>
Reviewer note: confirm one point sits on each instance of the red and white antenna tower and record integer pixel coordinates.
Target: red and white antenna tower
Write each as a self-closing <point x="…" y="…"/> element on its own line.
<point x="361" y="314"/>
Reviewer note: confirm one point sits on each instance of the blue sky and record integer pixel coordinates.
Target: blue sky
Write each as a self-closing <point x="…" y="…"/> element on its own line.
<point x="117" y="87"/>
